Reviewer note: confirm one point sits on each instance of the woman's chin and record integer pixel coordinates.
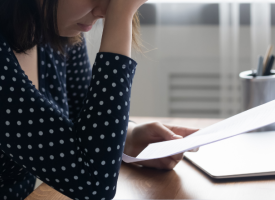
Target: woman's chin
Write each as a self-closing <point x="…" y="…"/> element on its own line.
<point x="72" y="33"/>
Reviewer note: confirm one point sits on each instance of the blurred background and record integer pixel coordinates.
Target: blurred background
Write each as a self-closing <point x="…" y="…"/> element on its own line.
<point x="194" y="53"/>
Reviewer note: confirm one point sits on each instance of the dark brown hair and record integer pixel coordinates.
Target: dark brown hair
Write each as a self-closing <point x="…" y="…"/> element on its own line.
<point x="26" y="23"/>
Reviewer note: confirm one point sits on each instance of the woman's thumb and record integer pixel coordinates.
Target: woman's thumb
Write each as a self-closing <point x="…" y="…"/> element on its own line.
<point x="177" y="136"/>
<point x="167" y="134"/>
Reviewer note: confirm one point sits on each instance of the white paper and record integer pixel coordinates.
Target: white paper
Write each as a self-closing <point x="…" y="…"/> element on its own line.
<point x="241" y="123"/>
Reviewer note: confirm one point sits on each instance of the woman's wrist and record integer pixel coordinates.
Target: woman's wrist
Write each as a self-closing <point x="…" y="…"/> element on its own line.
<point x="128" y="141"/>
<point x="117" y="33"/>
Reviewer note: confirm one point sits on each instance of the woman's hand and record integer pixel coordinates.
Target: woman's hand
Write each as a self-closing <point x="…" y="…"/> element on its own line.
<point x="129" y="6"/>
<point x="117" y="32"/>
<point x="144" y="134"/>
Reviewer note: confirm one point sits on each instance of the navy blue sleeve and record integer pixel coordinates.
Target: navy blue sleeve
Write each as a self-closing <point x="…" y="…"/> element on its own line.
<point x="79" y="73"/>
<point x="79" y="158"/>
<point x="78" y="77"/>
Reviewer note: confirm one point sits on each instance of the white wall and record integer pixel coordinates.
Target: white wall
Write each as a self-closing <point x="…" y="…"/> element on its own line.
<point x="175" y="50"/>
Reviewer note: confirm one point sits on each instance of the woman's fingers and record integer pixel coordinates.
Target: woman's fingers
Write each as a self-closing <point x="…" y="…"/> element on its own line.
<point x="177" y="157"/>
<point x="179" y="130"/>
<point x="166" y="163"/>
<point x="164" y="132"/>
<point x="194" y="150"/>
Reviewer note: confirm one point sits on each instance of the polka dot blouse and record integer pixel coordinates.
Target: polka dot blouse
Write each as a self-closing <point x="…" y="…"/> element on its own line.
<point x="71" y="132"/>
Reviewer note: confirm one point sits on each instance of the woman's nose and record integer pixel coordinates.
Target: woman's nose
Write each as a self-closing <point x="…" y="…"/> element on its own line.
<point x="100" y="9"/>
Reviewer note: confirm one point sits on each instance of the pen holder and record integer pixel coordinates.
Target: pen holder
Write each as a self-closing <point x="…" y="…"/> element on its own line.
<point x="257" y="91"/>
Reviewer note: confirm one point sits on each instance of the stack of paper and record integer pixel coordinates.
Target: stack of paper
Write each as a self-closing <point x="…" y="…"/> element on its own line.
<point x="244" y="122"/>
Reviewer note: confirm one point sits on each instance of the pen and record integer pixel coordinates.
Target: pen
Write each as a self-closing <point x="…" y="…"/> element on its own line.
<point x="260" y="66"/>
<point x="254" y="74"/>
<point x="269" y="66"/>
<point x="267" y="55"/>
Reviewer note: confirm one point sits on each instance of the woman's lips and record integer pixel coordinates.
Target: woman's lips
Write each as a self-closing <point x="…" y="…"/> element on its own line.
<point x="84" y="27"/>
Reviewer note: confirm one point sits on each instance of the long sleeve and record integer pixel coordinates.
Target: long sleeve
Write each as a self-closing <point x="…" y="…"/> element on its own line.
<point x="79" y="158"/>
<point x="78" y="75"/>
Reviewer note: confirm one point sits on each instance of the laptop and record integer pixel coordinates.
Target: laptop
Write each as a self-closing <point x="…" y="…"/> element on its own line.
<point x="246" y="155"/>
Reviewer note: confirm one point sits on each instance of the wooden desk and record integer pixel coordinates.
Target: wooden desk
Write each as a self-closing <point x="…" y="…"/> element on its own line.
<point x="184" y="182"/>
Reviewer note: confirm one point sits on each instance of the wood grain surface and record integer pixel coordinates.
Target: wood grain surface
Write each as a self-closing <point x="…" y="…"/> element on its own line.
<point x="183" y="182"/>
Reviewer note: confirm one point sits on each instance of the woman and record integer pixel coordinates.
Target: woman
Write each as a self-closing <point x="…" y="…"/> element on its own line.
<point x="61" y="120"/>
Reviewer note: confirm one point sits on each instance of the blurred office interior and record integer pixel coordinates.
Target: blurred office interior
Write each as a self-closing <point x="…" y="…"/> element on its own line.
<point x="194" y="54"/>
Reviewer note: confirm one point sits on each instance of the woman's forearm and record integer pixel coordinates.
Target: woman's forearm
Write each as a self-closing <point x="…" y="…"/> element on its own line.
<point x="117" y="33"/>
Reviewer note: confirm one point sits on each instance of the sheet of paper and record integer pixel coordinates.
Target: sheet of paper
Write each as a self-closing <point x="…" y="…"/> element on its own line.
<point x="241" y="123"/>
